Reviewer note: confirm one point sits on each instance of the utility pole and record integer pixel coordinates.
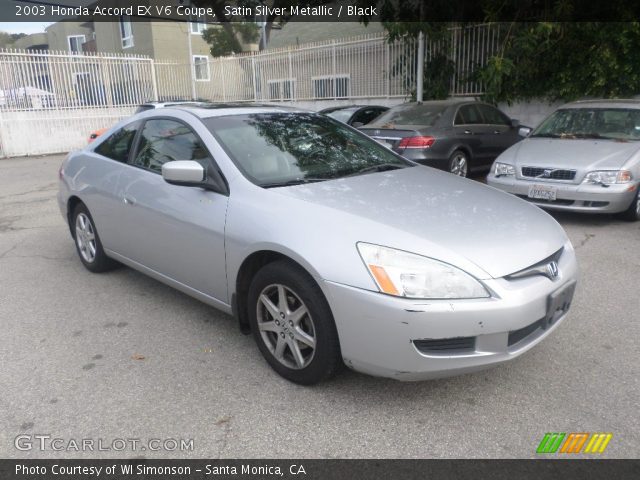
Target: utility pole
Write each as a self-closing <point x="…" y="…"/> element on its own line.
<point x="420" y="69"/>
<point x="191" y="63"/>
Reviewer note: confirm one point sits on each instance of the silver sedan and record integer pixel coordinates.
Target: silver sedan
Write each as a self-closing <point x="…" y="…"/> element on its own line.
<point x="329" y="248"/>
<point x="585" y="157"/>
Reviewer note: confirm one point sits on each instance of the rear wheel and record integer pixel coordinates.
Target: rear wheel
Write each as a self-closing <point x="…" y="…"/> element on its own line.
<point x="459" y="163"/>
<point x="632" y="214"/>
<point x="292" y="324"/>
<point x="88" y="242"/>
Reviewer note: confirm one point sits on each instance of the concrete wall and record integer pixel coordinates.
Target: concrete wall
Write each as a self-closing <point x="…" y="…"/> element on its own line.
<point x="43" y="132"/>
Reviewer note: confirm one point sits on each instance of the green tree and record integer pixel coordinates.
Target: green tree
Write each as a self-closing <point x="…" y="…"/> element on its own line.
<point x="553" y="49"/>
<point x="564" y="61"/>
<point x="7" y="39"/>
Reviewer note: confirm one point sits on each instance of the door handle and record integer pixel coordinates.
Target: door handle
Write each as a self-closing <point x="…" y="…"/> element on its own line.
<point x="467" y="132"/>
<point x="497" y="132"/>
<point x="129" y="200"/>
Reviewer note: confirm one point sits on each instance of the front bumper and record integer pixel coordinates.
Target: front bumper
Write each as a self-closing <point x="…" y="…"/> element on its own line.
<point x="384" y="336"/>
<point x="579" y="198"/>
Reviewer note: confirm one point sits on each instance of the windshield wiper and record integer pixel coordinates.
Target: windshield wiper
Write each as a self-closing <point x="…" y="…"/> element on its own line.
<point x="554" y="135"/>
<point x="295" y="181"/>
<point x="383" y="167"/>
<point x="591" y="135"/>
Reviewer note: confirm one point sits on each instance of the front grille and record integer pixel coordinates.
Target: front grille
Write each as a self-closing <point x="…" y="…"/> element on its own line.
<point x="550" y="173"/>
<point x="539" y="268"/>
<point x="516" y="336"/>
<point x="446" y="345"/>
<point x="558" y="201"/>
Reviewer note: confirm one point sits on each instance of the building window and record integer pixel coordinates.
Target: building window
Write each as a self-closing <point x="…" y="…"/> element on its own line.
<point x="331" y="86"/>
<point x="198" y="26"/>
<point x="75" y="43"/>
<point x="201" y="68"/>
<point x="126" y="33"/>
<point x="282" y="89"/>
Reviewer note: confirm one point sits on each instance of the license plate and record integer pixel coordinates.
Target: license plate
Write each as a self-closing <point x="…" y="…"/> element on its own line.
<point x="558" y="302"/>
<point x="542" y="192"/>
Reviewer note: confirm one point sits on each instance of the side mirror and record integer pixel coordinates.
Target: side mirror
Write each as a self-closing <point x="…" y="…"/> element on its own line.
<point x="357" y="124"/>
<point x="515" y="123"/>
<point x="183" y="172"/>
<point x="524" y="131"/>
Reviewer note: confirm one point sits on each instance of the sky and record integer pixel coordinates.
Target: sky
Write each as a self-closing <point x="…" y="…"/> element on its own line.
<point x="23" y="27"/>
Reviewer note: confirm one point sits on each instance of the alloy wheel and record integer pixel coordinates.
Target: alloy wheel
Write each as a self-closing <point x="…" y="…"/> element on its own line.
<point x="85" y="237"/>
<point x="459" y="165"/>
<point x="286" y="326"/>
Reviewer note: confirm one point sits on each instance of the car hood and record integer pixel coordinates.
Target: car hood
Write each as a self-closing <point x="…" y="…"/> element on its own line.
<point x="439" y="215"/>
<point x="575" y="154"/>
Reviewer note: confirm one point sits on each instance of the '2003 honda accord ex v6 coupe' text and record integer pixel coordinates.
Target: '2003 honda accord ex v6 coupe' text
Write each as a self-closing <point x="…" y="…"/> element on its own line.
<point x="330" y="248"/>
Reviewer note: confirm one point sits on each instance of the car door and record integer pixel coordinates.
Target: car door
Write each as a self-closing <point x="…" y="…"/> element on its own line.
<point x="176" y="231"/>
<point x="471" y="131"/>
<point x="109" y="157"/>
<point x="501" y="134"/>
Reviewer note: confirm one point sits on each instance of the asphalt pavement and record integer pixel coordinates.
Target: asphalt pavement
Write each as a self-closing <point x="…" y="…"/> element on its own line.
<point x="122" y="356"/>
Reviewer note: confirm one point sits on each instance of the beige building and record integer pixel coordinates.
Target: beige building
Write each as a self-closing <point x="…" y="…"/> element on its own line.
<point x="69" y="36"/>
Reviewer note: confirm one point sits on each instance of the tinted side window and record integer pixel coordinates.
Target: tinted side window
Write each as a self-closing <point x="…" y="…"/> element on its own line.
<point x="468" y="115"/>
<point x="118" y="145"/>
<point x="366" y="116"/>
<point x="164" y="141"/>
<point x="493" y="116"/>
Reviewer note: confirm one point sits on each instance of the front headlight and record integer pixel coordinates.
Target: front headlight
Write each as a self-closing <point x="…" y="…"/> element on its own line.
<point x="607" y="177"/>
<point x="503" y="169"/>
<point x="405" y="274"/>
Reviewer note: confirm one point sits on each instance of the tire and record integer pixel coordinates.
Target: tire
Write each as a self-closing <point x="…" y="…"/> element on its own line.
<point x="87" y="240"/>
<point x="632" y="214"/>
<point x="299" y="341"/>
<point x="459" y="163"/>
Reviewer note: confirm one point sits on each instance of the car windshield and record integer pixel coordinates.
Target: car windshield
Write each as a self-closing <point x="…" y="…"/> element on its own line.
<point x="278" y="149"/>
<point x="409" y="114"/>
<point x="621" y="124"/>
<point x="342" y="115"/>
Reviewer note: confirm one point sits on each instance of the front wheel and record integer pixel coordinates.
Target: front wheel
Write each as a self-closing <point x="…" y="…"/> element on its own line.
<point x="459" y="163"/>
<point x="632" y="214"/>
<point x="292" y="324"/>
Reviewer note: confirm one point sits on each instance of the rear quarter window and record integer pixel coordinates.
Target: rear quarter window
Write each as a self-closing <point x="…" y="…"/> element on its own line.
<point x="118" y="145"/>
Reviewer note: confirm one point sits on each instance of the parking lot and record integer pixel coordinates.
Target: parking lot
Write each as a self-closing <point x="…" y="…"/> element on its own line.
<point x="120" y="355"/>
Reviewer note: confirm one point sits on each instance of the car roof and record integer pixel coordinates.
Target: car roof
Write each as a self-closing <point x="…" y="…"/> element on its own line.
<point x="207" y="110"/>
<point x="449" y="102"/>
<point x="604" y="103"/>
<point x="349" y="107"/>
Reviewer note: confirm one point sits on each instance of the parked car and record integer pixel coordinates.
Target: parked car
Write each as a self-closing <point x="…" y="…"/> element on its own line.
<point x="142" y="108"/>
<point x="324" y="244"/>
<point x="458" y="136"/>
<point x="585" y="157"/>
<point x="355" y="115"/>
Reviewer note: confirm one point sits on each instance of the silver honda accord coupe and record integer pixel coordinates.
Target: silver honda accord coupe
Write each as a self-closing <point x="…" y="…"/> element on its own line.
<point x="585" y="157"/>
<point x="329" y="248"/>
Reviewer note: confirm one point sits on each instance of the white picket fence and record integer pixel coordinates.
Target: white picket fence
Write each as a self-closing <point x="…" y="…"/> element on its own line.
<point x="50" y="101"/>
